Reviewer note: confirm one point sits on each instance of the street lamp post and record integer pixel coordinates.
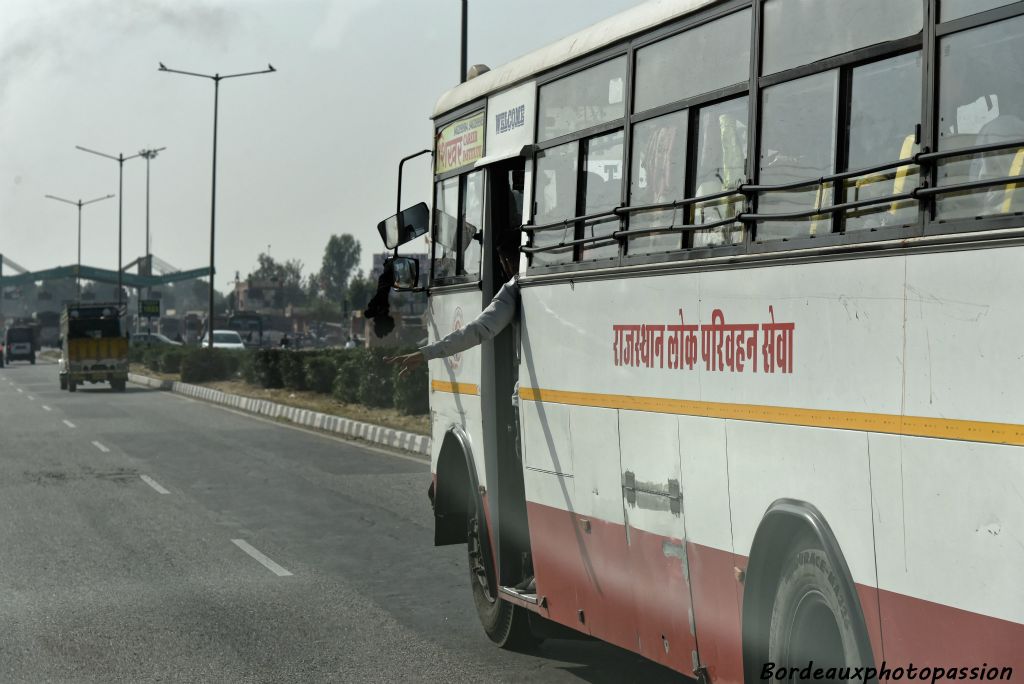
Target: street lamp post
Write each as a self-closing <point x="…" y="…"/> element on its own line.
<point x="79" y="204"/>
<point x="120" y="159"/>
<point x="148" y="155"/>
<point x="216" y="78"/>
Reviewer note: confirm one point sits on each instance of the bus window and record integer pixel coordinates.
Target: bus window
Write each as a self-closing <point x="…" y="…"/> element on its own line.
<point x="446" y="210"/>
<point x="885" y="108"/>
<point x="473" y="223"/>
<point x="798" y="133"/>
<point x="658" y="174"/>
<point x="587" y="98"/>
<point x="602" y="191"/>
<point x="981" y="102"/>
<point x="955" y="9"/>
<point x="555" y="193"/>
<point x="798" y="32"/>
<point x="702" y="59"/>
<point x="721" y="165"/>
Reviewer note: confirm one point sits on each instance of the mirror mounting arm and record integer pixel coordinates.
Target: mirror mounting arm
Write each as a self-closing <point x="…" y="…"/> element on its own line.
<point x="398" y="202"/>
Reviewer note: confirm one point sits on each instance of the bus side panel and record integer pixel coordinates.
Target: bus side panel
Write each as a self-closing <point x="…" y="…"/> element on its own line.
<point x="455" y="381"/>
<point x="954" y="538"/>
<point x="710" y="553"/>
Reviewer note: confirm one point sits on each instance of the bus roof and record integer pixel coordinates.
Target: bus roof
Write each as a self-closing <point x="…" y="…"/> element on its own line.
<point x="603" y="33"/>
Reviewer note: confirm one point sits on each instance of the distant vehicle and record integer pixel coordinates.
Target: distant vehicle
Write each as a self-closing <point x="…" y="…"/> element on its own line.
<point x="169" y="326"/>
<point x="19" y="344"/>
<point x="249" y="325"/>
<point x="224" y="339"/>
<point x="193" y="324"/>
<point x="48" y="323"/>
<point x="152" y="340"/>
<point x="94" y="346"/>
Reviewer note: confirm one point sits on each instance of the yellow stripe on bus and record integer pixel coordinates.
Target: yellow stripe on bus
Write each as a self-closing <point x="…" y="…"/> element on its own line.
<point x="912" y="426"/>
<point x="454" y="387"/>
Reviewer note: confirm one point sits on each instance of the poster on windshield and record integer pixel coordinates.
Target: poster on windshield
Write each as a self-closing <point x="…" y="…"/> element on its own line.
<point x="460" y="143"/>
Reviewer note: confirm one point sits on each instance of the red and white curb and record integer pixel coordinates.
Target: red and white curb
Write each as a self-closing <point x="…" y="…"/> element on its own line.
<point x="377" y="434"/>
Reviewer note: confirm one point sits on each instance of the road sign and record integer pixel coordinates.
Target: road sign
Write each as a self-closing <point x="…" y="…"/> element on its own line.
<point x="149" y="308"/>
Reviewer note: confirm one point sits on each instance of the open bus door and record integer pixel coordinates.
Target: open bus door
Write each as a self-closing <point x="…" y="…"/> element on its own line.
<point x="500" y="371"/>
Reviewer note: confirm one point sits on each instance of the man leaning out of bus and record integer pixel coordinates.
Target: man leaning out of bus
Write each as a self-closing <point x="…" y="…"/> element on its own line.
<point x="491" y="321"/>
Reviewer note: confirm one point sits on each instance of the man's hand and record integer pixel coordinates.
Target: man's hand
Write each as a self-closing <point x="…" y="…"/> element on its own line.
<point x="407" y="362"/>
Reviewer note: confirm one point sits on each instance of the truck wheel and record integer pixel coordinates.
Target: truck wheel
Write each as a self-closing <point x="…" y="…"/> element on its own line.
<point x="505" y="624"/>
<point x="72" y="386"/>
<point x="811" y="619"/>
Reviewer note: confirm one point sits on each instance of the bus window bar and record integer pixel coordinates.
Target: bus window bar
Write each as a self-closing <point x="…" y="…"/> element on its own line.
<point x="610" y="237"/>
<point x="826" y="211"/>
<point x="923" y="160"/>
<point x="688" y="228"/>
<point x="972" y="185"/>
<point x="570" y="222"/>
<point x="927" y="157"/>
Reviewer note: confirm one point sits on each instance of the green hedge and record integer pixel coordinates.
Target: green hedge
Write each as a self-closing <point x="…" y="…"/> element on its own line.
<point x="293" y="368"/>
<point x="376" y="387"/>
<point x="412" y="392"/>
<point x="349" y="375"/>
<point x="267" y="369"/>
<point x="320" y="373"/>
<point x="170" y="359"/>
<point x="206" y="365"/>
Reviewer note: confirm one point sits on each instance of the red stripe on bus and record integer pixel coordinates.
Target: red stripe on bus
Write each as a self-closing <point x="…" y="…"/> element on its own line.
<point x="634" y="594"/>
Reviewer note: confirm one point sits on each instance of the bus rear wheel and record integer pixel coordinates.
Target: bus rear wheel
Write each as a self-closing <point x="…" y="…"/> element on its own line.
<point x="810" y="621"/>
<point x="505" y="624"/>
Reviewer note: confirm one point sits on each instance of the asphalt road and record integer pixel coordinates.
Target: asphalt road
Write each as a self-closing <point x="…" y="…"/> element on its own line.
<point x="146" y="537"/>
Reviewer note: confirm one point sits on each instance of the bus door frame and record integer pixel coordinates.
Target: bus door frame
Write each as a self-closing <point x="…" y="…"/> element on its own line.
<point x="499" y="372"/>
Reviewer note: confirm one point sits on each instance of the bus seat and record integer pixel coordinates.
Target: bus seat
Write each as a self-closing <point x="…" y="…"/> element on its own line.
<point x="1015" y="169"/>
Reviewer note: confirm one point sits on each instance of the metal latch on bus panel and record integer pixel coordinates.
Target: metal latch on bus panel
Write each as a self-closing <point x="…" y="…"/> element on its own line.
<point x="633" y="492"/>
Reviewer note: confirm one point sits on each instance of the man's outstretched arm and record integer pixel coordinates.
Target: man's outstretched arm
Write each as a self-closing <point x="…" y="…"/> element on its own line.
<point x="491" y="321"/>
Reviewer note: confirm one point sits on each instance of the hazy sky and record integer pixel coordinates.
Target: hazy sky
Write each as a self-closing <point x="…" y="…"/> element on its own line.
<point x="303" y="153"/>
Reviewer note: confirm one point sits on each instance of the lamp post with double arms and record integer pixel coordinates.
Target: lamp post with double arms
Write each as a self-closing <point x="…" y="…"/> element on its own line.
<point x="79" y="204"/>
<point x="120" y="159"/>
<point x="216" y="78"/>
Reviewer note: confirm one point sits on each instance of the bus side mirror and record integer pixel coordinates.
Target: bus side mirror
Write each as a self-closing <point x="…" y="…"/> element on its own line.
<point x="407" y="273"/>
<point x="405" y="226"/>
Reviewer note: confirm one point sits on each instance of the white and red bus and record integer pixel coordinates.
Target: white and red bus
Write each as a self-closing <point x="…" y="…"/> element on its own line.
<point x="769" y="356"/>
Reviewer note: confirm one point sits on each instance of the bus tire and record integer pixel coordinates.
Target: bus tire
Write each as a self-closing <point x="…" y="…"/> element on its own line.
<point x="505" y="624"/>
<point x="810" y="616"/>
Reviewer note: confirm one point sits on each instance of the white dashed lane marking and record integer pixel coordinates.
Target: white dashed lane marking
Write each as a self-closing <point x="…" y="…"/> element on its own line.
<point x="154" y="484"/>
<point x="101" y="447"/>
<point x="263" y="560"/>
<point x="68" y="423"/>
<point x="46" y="408"/>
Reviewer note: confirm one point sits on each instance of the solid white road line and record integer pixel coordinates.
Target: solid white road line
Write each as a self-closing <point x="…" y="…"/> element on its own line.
<point x="267" y="563"/>
<point x="101" y="447"/>
<point x="68" y="423"/>
<point x="150" y="481"/>
<point x="46" y="408"/>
